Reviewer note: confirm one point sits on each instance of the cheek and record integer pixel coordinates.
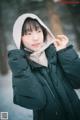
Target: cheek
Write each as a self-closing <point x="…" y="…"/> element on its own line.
<point x="24" y="40"/>
<point x="42" y="37"/>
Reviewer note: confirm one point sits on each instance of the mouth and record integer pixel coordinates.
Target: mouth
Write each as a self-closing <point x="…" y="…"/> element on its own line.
<point x="36" y="45"/>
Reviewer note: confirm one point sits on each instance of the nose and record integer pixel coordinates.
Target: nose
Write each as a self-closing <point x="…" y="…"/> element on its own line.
<point x="35" y="36"/>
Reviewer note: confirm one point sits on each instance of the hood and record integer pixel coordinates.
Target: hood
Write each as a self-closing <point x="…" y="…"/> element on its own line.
<point x="17" y="28"/>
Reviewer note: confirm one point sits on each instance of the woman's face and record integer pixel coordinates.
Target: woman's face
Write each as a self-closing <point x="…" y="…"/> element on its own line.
<point x="33" y="39"/>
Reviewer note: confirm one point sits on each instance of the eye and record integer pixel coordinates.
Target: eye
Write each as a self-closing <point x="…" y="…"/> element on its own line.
<point x="39" y="31"/>
<point x="28" y="33"/>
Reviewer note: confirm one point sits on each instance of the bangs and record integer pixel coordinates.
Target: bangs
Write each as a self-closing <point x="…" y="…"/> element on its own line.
<point x="29" y="25"/>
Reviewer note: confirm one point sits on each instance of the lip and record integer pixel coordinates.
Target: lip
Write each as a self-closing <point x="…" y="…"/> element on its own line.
<point x="36" y="44"/>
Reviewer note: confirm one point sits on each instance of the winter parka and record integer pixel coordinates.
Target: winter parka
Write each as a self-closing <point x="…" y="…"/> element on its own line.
<point x="48" y="91"/>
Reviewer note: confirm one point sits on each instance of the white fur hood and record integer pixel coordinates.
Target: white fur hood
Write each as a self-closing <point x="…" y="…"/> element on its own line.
<point x="17" y="28"/>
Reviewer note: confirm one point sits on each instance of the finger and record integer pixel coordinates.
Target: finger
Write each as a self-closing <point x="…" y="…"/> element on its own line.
<point x="58" y="42"/>
<point x="62" y="37"/>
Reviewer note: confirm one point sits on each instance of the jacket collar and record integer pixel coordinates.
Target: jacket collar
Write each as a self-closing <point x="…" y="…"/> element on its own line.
<point x="51" y="56"/>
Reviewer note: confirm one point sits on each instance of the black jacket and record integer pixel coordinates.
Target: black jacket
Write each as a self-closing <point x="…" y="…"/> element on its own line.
<point x="48" y="91"/>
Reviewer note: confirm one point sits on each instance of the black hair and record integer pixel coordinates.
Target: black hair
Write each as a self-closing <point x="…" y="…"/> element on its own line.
<point x="30" y="23"/>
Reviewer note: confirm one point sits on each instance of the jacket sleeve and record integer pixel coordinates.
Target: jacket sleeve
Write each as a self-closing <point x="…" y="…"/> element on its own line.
<point x="70" y="63"/>
<point x="27" y="91"/>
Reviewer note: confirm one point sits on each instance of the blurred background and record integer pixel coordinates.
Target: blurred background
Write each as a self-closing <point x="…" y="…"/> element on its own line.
<point x="60" y="16"/>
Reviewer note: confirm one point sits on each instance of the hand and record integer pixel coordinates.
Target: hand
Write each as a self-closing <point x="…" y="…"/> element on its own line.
<point x="61" y="42"/>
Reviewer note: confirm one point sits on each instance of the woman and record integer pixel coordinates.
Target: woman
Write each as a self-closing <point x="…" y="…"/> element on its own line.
<point x="45" y="71"/>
